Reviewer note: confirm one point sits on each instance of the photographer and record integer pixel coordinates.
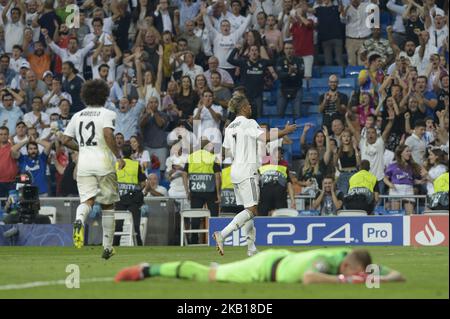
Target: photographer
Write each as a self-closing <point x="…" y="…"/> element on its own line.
<point x="33" y="162"/>
<point x="23" y="205"/>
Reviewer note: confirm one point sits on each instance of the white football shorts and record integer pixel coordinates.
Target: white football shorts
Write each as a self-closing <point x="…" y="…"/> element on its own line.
<point x="103" y="188"/>
<point x="247" y="192"/>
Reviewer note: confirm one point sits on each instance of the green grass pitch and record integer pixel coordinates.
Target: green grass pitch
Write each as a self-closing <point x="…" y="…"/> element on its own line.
<point x="426" y="270"/>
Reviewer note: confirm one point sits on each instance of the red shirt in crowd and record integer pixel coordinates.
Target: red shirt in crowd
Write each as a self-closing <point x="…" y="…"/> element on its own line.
<point x="8" y="165"/>
<point x="303" y="38"/>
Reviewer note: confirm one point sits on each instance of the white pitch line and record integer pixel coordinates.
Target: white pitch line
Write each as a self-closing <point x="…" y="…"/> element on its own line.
<point x="35" y="284"/>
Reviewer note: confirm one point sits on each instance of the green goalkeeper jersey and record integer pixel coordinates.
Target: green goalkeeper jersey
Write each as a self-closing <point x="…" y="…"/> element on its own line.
<point x="292" y="267"/>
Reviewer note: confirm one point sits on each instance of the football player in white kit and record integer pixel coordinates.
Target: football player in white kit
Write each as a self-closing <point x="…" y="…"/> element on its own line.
<point x="241" y="140"/>
<point x="91" y="132"/>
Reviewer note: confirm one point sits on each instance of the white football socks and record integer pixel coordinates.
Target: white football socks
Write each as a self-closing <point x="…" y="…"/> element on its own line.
<point x="83" y="210"/>
<point x="250" y="232"/>
<point x="238" y="221"/>
<point x="109" y="227"/>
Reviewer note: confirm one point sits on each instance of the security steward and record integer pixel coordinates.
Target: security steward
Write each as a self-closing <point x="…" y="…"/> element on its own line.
<point x="202" y="179"/>
<point x="363" y="190"/>
<point x="227" y="195"/>
<point x="439" y="199"/>
<point x="131" y="180"/>
<point x="275" y="184"/>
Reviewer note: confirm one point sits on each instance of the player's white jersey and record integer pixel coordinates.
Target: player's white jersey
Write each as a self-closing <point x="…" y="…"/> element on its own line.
<point x="86" y="126"/>
<point x="241" y="139"/>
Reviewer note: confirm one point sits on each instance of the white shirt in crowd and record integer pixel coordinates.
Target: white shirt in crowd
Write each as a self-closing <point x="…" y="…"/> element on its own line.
<point x="418" y="148"/>
<point x="31" y="118"/>
<point x="176" y="187"/>
<point x="23" y="150"/>
<point x="241" y="140"/>
<point x="108" y="24"/>
<point x="374" y="153"/>
<point x="95" y="159"/>
<point x="224" y="44"/>
<point x="77" y="58"/>
<point x="355" y="20"/>
<point x="422" y="63"/>
<point x="209" y="127"/>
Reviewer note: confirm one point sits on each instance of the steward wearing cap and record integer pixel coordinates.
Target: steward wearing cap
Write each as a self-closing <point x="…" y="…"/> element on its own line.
<point x="275" y="184"/>
<point x="131" y="181"/>
<point x="363" y="190"/>
<point x="439" y="200"/>
<point x="227" y="195"/>
<point x="202" y="179"/>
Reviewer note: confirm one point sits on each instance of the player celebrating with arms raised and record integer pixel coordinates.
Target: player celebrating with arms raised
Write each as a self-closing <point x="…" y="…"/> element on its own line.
<point x="93" y="129"/>
<point x="241" y="140"/>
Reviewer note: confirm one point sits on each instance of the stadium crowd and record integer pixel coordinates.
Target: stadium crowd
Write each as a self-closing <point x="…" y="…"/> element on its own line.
<point x="172" y="64"/>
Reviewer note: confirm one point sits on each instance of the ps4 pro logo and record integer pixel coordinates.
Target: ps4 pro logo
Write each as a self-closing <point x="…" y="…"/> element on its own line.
<point x="372" y="232"/>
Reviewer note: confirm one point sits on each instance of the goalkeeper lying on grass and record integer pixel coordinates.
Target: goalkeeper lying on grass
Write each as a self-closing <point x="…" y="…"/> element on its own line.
<point x="337" y="265"/>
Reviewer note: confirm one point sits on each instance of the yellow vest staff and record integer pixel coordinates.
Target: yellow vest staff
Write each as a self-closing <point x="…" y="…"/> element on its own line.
<point x="363" y="179"/>
<point x="441" y="183"/>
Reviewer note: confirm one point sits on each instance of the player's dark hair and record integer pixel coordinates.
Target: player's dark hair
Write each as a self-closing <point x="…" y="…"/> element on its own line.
<point x="236" y="103"/>
<point x="365" y="165"/>
<point x="95" y="93"/>
<point x="361" y="256"/>
<point x="127" y="150"/>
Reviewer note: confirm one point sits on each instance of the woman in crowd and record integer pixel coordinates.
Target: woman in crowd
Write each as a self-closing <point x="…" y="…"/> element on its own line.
<point x="139" y="154"/>
<point x="435" y="166"/>
<point x="314" y="168"/>
<point x="318" y="141"/>
<point x="187" y="99"/>
<point x="347" y="160"/>
<point x="200" y="85"/>
<point x="401" y="176"/>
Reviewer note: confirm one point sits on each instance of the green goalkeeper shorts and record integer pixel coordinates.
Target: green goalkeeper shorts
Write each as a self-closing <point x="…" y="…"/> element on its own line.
<point x="254" y="269"/>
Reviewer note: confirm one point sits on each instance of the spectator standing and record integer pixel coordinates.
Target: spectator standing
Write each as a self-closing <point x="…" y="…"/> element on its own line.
<point x="252" y="76"/>
<point x="401" y="176"/>
<point x="290" y="70"/>
<point x="37" y="118"/>
<point x="302" y="31"/>
<point x="356" y="30"/>
<point x="436" y="165"/>
<point x="399" y="25"/>
<point x="14" y="26"/>
<point x="225" y="40"/>
<point x="213" y="64"/>
<point x="346" y="160"/>
<point x="34" y="162"/>
<point x="127" y="119"/>
<point x="333" y="104"/>
<point x="329" y="29"/>
<point x="8" y="164"/>
<point x="209" y="116"/>
<point x="377" y="45"/>
<point x="72" y="84"/>
<point x="417" y="143"/>
<point x="153" y="124"/>
<point x="10" y="113"/>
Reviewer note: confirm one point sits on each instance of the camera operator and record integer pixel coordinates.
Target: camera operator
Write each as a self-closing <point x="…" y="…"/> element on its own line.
<point x="23" y="204"/>
<point x="34" y="162"/>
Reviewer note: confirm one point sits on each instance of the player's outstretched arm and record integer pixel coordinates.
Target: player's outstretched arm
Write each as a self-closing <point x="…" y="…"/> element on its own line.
<point x="393" y="276"/>
<point x="274" y="135"/>
<point x="311" y="277"/>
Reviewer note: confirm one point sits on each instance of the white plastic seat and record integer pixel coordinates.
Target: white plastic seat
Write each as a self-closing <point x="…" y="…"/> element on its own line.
<point x="143" y="229"/>
<point x="351" y="212"/>
<point x="127" y="235"/>
<point x="49" y="211"/>
<point x="287" y="212"/>
<point x="194" y="213"/>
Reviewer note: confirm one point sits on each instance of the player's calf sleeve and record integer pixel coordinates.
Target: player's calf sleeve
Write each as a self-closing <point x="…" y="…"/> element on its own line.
<point x="238" y="221"/>
<point x="109" y="226"/>
<point x="83" y="210"/>
<point x="184" y="269"/>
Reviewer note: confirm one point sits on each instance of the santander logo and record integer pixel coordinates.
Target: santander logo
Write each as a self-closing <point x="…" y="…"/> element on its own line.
<point x="430" y="236"/>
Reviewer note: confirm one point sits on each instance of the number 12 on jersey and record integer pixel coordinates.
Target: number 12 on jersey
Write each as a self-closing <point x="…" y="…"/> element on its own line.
<point x="87" y="132"/>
